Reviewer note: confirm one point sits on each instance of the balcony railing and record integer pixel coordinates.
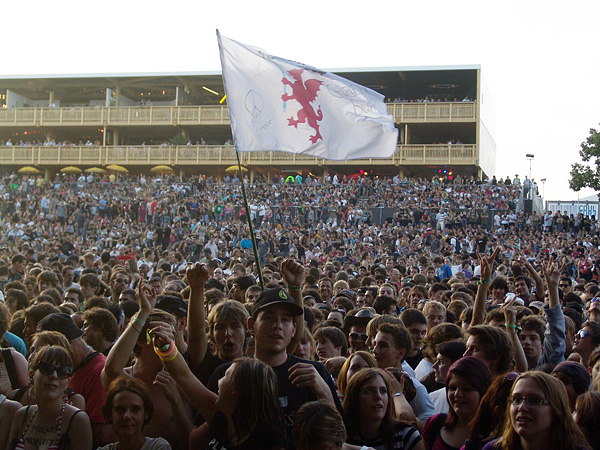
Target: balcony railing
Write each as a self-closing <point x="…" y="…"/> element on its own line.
<point x="221" y="155"/>
<point x="202" y="115"/>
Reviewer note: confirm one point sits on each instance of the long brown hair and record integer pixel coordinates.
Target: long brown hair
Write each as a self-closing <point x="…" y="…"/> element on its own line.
<point x="258" y="402"/>
<point x="563" y="433"/>
<point x="342" y="379"/>
<point x="352" y="404"/>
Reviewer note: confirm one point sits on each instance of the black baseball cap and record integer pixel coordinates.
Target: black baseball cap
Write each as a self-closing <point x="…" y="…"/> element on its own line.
<point x="173" y="305"/>
<point x="276" y="296"/>
<point x="62" y="323"/>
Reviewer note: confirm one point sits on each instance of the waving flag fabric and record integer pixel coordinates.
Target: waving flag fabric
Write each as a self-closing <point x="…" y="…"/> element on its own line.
<point x="281" y="105"/>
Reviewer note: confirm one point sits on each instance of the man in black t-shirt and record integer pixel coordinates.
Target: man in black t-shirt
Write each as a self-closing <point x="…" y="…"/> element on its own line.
<point x="274" y="322"/>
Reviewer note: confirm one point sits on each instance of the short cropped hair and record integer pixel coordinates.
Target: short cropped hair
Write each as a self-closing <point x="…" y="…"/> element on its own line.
<point x="399" y="334"/>
<point x="334" y="335"/>
<point x="495" y="344"/>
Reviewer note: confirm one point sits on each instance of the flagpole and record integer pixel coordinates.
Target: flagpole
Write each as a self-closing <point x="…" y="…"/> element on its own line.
<point x="237" y="154"/>
<point x="250" y="226"/>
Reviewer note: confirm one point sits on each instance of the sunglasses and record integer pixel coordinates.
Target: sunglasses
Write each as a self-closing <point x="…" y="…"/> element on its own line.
<point x="121" y="280"/>
<point x="358" y="336"/>
<point x="517" y="400"/>
<point x="62" y="372"/>
<point x="582" y="334"/>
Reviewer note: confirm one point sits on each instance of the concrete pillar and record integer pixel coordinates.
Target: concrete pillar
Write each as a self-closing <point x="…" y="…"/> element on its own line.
<point x="181" y="173"/>
<point x="50" y="97"/>
<point x="268" y="175"/>
<point x="406" y="134"/>
<point x="46" y="174"/>
<point x="118" y="96"/>
<point x="402" y="135"/>
<point x="401" y="173"/>
<point x="185" y="133"/>
<point x="325" y="173"/>
<point x="252" y="173"/>
<point x="116" y="137"/>
<point x="104" y="131"/>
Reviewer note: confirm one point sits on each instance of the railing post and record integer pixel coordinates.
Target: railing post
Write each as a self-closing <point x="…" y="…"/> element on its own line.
<point x="80" y="152"/>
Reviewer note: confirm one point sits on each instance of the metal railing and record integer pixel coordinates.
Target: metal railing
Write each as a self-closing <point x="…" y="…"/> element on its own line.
<point x="443" y="154"/>
<point x="203" y="115"/>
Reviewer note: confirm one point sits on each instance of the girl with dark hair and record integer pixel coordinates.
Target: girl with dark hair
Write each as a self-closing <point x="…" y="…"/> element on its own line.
<point x="369" y="405"/>
<point x="491" y="414"/>
<point x="539" y="417"/>
<point x="240" y="418"/>
<point x="466" y="383"/>
<point x="52" y="423"/>
<point x="128" y="408"/>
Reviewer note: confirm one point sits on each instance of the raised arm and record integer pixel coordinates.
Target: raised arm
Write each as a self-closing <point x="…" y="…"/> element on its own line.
<point x="554" y="335"/>
<point x="539" y="284"/>
<point x="197" y="276"/>
<point x="198" y="395"/>
<point x="121" y="351"/>
<point x="510" y="322"/>
<point x="487" y="268"/>
<point x="293" y="274"/>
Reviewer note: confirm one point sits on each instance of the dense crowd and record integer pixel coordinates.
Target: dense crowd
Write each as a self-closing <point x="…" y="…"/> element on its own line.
<point x="370" y="312"/>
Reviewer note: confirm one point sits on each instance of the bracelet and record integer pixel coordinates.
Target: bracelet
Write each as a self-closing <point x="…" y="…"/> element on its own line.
<point x="135" y="319"/>
<point x="295" y="288"/>
<point x="484" y="282"/>
<point x="517" y="328"/>
<point x="398" y="394"/>
<point x="165" y="348"/>
<point x="169" y="355"/>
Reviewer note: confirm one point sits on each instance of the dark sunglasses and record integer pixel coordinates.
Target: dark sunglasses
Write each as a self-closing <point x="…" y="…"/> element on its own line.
<point x="62" y="372"/>
<point x="357" y="336"/>
<point x="582" y="334"/>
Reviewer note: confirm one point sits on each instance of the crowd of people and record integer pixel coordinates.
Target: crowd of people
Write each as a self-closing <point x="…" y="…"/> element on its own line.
<point x="139" y="314"/>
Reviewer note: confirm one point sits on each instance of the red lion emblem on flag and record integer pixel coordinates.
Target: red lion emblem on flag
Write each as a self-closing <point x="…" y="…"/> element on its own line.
<point x="304" y="93"/>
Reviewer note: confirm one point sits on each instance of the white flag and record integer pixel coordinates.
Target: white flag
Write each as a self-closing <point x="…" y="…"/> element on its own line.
<point x="281" y="105"/>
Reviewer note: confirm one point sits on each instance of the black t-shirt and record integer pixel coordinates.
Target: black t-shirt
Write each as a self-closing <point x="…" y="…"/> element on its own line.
<point x="263" y="437"/>
<point x="413" y="361"/>
<point x="291" y="398"/>
<point x="207" y="367"/>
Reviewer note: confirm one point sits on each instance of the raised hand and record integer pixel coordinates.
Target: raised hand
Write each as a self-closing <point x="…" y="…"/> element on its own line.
<point x="146" y="296"/>
<point x="552" y="273"/>
<point x="293" y="272"/>
<point x="197" y="276"/>
<point x="487" y="264"/>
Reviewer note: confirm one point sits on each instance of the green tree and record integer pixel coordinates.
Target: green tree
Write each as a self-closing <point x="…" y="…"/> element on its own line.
<point x="178" y="139"/>
<point x="584" y="175"/>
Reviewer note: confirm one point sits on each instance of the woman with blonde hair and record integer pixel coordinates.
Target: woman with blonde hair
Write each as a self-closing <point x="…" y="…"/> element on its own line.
<point x="539" y="417"/>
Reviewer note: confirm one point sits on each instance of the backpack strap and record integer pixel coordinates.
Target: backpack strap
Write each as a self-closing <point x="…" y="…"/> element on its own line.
<point x="9" y="362"/>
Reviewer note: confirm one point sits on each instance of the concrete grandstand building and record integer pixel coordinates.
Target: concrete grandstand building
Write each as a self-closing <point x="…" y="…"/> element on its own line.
<point x="444" y="116"/>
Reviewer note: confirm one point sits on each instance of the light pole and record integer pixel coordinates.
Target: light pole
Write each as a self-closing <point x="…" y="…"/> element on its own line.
<point x="530" y="157"/>
<point x="543" y="180"/>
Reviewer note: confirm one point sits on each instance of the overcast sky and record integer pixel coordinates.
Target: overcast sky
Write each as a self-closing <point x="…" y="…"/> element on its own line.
<point x="540" y="59"/>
